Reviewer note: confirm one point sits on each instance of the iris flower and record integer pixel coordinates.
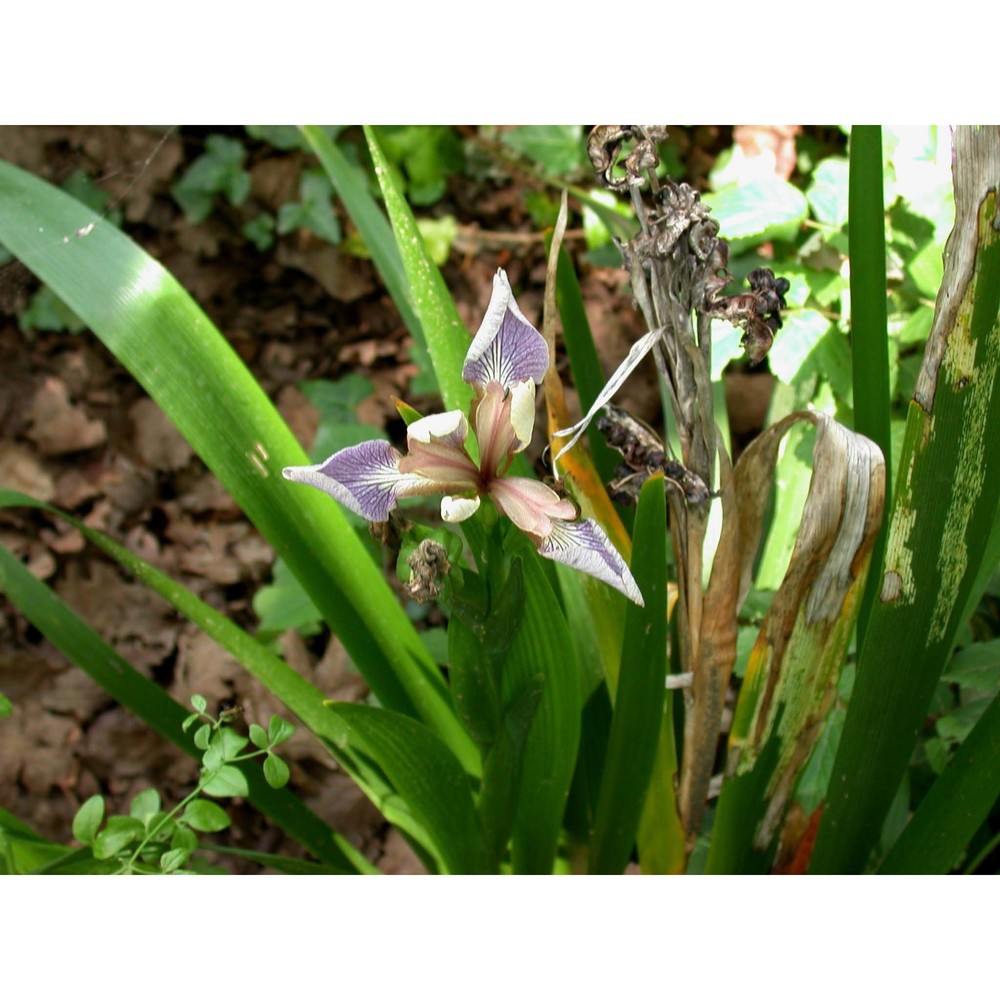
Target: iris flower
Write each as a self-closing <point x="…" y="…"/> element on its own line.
<point x="507" y="358"/>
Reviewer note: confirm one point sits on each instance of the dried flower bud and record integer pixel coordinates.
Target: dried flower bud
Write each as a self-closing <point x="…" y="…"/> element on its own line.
<point x="643" y="455"/>
<point x="429" y="566"/>
<point x="604" y="147"/>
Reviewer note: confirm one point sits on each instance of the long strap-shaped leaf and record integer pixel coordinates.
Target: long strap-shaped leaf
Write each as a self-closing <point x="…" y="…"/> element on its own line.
<point x="641" y="688"/>
<point x="955" y="807"/>
<point x="350" y="186"/>
<point x="426" y="775"/>
<point x="869" y="334"/>
<point x="795" y="662"/>
<point x="445" y="333"/>
<point x="947" y="493"/>
<point x="157" y="331"/>
<point x="157" y="709"/>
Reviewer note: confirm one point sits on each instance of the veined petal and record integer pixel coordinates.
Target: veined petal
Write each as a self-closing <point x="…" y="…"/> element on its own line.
<point x="507" y="348"/>
<point x="584" y="546"/>
<point x="531" y="505"/>
<point x="456" y="509"/>
<point x="365" y="478"/>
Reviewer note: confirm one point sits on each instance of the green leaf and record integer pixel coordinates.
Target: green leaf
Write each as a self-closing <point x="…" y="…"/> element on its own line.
<point x="48" y="312"/>
<point x="154" y="328"/>
<point x="205" y="816"/>
<point x="588" y="376"/>
<point x="954" y="808"/>
<point x="276" y="771"/>
<point x="543" y="646"/>
<point x="426" y="775"/>
<point x="503" y="767"/>
<point x="288" y="136"/>
<point x="5" y="706"/>
<point x="203" y="736"/>
<point x="798" y="337"/>
<point x="557" y="149"/>
<point x="869" y="329"/>
<point x="337" y="400"/>
<point x="144" y="805"/>
<point x="827" y="193"/>
<point x="170" y="861"/>
<point x="229" y="743"/>
<point x="88" y="819"/>
<point x="438" y="235"/>
<point x="976" y="667"/>
<point x="116" y="836"/>
<point x="284" y="604"/>
<point x="445" y="334"/>
<point x="227" y="781"/>
<point x="761" y="210"/>
<point x="638" y="704"/>
<point x="314" y="211"/>
<point x="219" y="170"/>
<point x="473" y="681"/>
<point x="198" y="703"/>
<point x="258" y="735"/>
<point x="278" y="730"/>
<point x="184" y="839"/>
<point x="477" y="647"/>
<point x="260" y="231"/>
<point x="427" y="154"/>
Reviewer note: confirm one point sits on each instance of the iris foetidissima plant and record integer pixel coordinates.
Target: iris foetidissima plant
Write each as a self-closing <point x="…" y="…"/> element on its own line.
<point x="678" y="269"/>
<point x="507" y="359"/>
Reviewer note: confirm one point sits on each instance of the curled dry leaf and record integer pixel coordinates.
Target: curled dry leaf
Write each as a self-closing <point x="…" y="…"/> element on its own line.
<point x="794" y="665"/>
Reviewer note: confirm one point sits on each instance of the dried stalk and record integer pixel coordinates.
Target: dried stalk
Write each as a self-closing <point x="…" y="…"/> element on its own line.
<point x="677" y="266"/>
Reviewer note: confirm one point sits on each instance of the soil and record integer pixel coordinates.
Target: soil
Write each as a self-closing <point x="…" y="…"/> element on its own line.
<point x="77" y="431"/>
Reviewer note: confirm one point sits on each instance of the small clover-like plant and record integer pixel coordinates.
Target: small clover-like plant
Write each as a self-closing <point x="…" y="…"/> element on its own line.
<point x="150" y="841"/>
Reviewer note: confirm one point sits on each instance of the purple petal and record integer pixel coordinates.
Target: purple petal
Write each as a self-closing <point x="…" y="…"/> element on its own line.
<point x="584" y="546"/>
<point x="364" y="478"/>
<point x="507" y="349"/>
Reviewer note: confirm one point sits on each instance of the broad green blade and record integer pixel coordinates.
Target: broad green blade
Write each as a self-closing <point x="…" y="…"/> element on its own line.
<point x="371" y="223"/>
<point x="955" y="807"/>
<point x="156" y="708"/>
<point x="543" y="646"/>
<point x="23" y="851"/>
<point x="500" y="789"/>
<point x="426" y="775"/>
<point x="445" y="334"/>
<point x="157" y="331"/>
<point x="588" y="376"/>
<point x="869" y="324"/>
<point x="638" y="705"/>
<point x="946" y="500"/>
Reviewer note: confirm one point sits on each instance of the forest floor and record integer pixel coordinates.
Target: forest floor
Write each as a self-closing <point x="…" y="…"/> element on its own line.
<point x="77" y="431"/>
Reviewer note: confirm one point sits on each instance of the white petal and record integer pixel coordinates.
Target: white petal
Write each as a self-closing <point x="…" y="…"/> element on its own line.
<point x="456" y="509"/>
<point x="450" y="427"/>
<point x="522" y="413"/>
